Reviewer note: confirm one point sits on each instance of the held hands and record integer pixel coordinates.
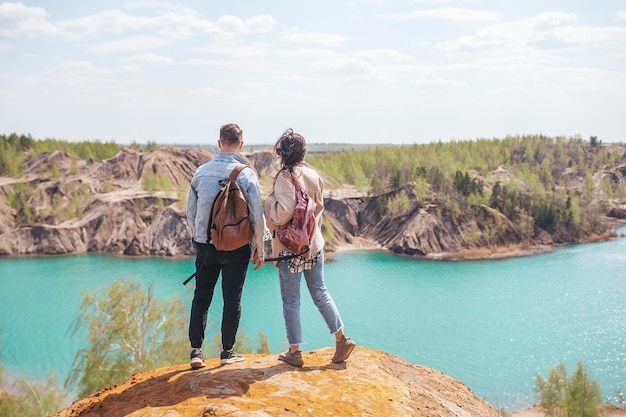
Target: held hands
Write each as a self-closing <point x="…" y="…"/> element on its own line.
<point x="257" y="261"/>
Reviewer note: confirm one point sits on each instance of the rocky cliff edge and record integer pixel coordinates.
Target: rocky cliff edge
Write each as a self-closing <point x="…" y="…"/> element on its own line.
<point x="370" y="383"/>
<point x="134" y="204"/>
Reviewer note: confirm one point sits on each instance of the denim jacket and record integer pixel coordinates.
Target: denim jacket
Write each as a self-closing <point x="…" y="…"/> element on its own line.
<point x="205" y="184"/>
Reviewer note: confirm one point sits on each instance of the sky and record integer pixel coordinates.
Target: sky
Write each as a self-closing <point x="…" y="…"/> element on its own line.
<point x="336" y="71"/>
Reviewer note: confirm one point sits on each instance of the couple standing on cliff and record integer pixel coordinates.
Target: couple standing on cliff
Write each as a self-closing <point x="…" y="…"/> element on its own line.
<point x="290" y="150"/>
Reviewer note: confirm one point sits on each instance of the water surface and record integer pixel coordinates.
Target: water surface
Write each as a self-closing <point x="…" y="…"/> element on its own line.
<point x="490" y="324"/>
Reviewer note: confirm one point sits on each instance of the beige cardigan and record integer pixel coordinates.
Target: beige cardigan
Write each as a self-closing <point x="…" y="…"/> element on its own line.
<point x="280" y="205"/>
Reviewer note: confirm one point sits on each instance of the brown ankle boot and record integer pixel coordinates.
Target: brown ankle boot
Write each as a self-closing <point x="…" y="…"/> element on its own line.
<point x="343" y="350"/>
<point x="293" y="359"/>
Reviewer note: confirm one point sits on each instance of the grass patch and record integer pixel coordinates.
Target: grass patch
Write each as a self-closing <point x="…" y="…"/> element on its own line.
<point x="156" y="182"/>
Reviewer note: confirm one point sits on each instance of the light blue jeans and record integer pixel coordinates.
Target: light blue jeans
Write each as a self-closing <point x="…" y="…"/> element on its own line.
<point x="290" y="293"/>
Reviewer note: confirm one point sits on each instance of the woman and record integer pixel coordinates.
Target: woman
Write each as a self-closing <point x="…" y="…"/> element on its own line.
<point x="279" y="209"/>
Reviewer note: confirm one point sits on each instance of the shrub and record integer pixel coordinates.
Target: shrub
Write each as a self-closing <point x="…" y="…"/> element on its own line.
<point x="576" y="396"/>
<point x="129" y="330"/>
<point x="398" y="204"/>
<point x="328" y="231"/>
<point x="10" y="160"/>
<point x="19" y="200"/>
<point x="153" y="182"/>
<point x="31" y="399"/>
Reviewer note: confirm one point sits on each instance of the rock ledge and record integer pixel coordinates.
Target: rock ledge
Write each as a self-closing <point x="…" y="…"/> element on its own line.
<point x="371" y="383"/>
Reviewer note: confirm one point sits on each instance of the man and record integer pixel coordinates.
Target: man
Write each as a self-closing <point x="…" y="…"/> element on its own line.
<point x="233" y="265"/>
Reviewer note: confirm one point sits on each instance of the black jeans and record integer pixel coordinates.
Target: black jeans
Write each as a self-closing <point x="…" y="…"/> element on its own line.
<point x="209" y="263"/>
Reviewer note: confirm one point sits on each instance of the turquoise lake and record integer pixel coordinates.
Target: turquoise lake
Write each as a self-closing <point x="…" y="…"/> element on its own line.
<point x="490" y="324"/>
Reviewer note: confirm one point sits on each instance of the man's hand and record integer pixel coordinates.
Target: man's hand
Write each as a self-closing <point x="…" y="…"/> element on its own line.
<point x="257" y="261"/>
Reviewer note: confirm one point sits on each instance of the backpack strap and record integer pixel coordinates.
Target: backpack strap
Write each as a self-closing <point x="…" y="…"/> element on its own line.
<point x="235" y="172"/>
<point x="279" y="258"/>
<point x="294" y="180"/>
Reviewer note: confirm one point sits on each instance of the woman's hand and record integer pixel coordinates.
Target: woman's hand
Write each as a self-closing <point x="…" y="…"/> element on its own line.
<point x="257" y="261"/>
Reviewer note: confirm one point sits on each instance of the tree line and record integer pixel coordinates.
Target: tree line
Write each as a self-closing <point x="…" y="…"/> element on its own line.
<point x="14" y="146"/>
<point x="547" y="182"/>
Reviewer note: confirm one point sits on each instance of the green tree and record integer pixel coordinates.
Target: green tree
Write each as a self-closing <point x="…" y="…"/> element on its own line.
<point x="129" y="331"/>
<point x="398" y="204"/>
<point x="496" y="199"/>
<point x="151" y="145"/>
<point x="576" y="396"/>
<point x="467" y="185"/>
<point x="394" y="180"/>
<point x="10" y="158"/>
<point x="29" y="399"/>
<point x="552" y="391"/>
<point x="583" y="395"/>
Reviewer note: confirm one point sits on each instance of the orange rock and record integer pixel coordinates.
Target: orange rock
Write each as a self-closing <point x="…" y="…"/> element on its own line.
<point x="370" y="383"/>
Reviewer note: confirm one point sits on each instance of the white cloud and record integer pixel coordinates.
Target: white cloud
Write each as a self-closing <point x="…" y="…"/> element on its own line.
<point x="108" y="21"/>
<point x="154" y="5"/>
<point x="443" y="1"/>
<point x="151" y="58"/>
<point x="317" y="38"/>
<point x="546" y="30"/>
<point x="435" y="83"/>
<point x="5" y="47"/>
<point x="312" y="53"/>
<point x="341" y="64"/>
<point x="131" y="43"/>
<point x="130" y="69"/>
<point x="171" y="22"/>
<point x="450" y="13"/>
<point x="343" y="69"/>
<point x="17" y="19"/>
<point x="385" y="56"/>
<point x="232" y="25"/>
<point x="457" y="52"/>
<point x="509" y="35"/>
<point x="182" y="24"/>
<point x="236" y="49"/>
<point x="178" y="24"/>
<point x="78" y="69"/>
<point x="261" y="23"/>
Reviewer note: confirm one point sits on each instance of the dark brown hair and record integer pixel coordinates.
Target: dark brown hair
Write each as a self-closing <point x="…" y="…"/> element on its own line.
<point x="291" y="148"/>
<point x="231" y="134"/>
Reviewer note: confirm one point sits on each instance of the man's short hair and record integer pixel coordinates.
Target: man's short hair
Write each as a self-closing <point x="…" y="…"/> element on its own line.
<point x="231" y="134"/>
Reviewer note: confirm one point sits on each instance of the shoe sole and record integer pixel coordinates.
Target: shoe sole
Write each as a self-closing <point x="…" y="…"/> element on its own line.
<point x="197" y="364"/>
<point x="347" y="354"/>
<point x="232" y="360"/>
<point x="297" y="365"/>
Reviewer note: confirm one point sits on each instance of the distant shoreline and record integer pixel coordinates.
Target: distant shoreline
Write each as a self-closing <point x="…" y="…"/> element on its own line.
<point x="363" y="244"/>
<point x="536" y="411"/>
<point x="477" y="254"/>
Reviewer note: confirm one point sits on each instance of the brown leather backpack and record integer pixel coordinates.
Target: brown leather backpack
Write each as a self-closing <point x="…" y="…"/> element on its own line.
<point x="229" y="224"/>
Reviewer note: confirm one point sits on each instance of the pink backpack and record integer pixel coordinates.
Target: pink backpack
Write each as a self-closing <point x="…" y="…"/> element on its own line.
<point x="297" y="234"/>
